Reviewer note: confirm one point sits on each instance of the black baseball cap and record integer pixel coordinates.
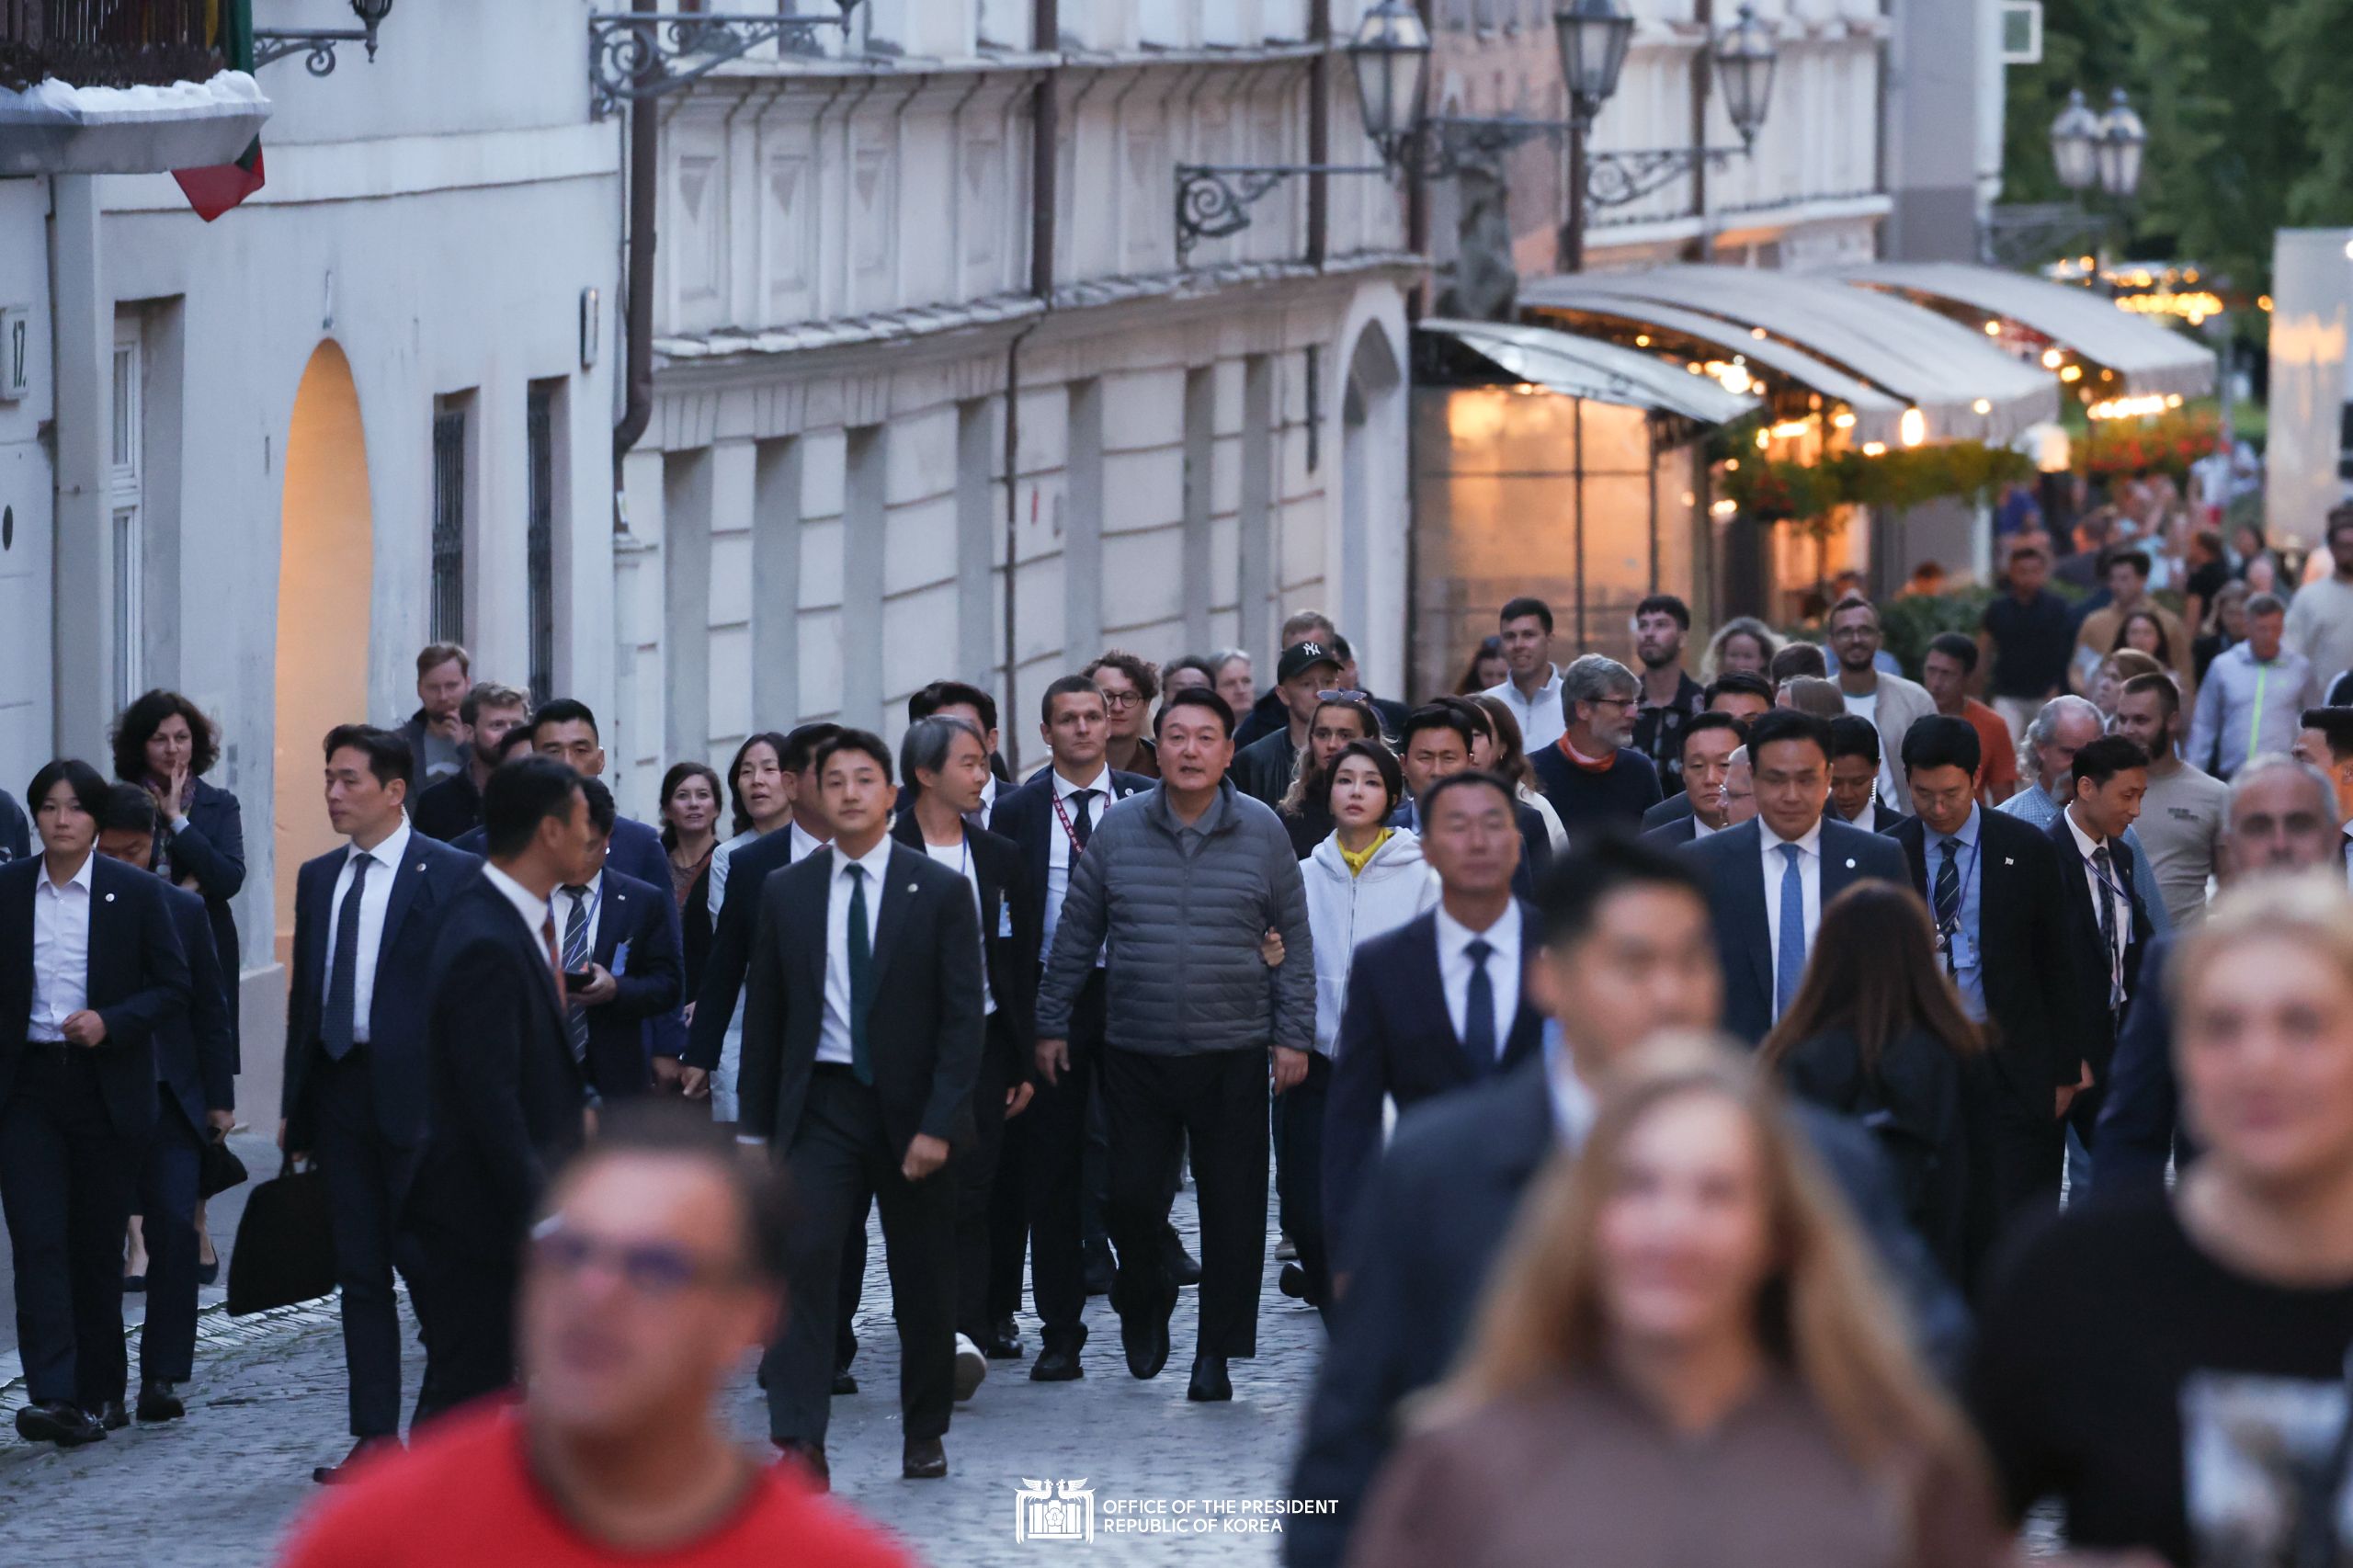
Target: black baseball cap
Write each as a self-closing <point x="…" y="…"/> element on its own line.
<point x="1301" y="656"/>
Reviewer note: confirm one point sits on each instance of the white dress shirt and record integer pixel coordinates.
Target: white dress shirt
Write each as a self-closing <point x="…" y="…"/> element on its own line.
<point x="61" y="951"/>
<point x="593" y="896"/>
<point x="832" y="1030"/>
<point x="1541" y="720"/>
<point x="1867" y="707"/>
<point x="1699" y="829"/>
<point x="1058" y="846"/>
<point x="1454" y="970"/>
<point x="1574" y="1107"/>
<point x="374" y="899"/>
<point x="958" y="857"/>
<point x="1809" y="883"/>
<point x="2085" y="845"/>
<point x="534" y="909"/>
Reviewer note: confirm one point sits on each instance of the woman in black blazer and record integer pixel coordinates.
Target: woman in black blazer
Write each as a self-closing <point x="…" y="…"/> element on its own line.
<point x="164" y="743"/>
<point x="1877" y="1034"/>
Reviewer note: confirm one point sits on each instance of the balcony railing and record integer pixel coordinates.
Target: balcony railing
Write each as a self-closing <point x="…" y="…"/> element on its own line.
<point x="108" y="44"/>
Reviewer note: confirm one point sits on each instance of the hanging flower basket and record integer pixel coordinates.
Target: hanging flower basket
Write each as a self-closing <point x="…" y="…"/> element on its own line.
<point x="1770" y="490"/>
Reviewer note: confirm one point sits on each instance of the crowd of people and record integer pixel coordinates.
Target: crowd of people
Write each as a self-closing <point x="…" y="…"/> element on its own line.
<point x="1671" y="1079"/>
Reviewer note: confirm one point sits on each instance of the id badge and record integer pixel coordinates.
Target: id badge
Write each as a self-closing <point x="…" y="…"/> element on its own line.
<point x="1005" y="920"/>
<point x="1963" y="951"/>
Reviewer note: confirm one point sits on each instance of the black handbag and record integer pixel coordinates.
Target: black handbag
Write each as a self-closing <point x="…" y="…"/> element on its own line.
<point x="284" y="1250"/>
<point x="218" y="1168"/>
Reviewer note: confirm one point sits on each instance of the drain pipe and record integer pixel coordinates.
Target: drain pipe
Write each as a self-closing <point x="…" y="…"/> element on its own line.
<point x="637" y="305"/>
<point x="1045" y="168"/>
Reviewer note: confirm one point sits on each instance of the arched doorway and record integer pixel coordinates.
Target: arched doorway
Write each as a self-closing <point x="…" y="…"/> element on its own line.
<point x="325" y="574"/>
<point x="1373" y="483"/>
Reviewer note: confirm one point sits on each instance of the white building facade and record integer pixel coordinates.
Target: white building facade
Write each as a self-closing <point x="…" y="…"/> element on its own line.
<point x="929" y="405"/>
<point x="263" y="461"/>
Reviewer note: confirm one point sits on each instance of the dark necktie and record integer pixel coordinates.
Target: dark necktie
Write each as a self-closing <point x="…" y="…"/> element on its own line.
<point x="1479" y="1008"/>
<point x="861" y="978"/>
<point x="575" y="960"/>
<point x="337" y="1028"/>
<point x="1082" y="825"/>
<point x="2100" y="869"/>
<point x="1949" y="898"/>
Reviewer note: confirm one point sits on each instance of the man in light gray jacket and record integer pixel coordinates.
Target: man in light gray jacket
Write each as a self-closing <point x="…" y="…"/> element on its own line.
<point x="1183" y="882"/>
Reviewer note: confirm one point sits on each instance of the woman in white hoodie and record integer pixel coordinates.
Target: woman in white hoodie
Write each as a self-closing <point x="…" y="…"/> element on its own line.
<point x="1363" y="882"/>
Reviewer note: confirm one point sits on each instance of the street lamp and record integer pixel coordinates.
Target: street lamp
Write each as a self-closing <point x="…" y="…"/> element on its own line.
<point x="2075" y="142"/>
<point x="2123" y="142"/>
<point x="1594" y="36"/>
<point x="1745" y="60"/>
<point x="271" y="43"/>
<point x="1391" y="53"/>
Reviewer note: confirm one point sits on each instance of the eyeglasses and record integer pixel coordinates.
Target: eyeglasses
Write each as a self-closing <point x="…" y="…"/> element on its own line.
<point x="653" y="1269"/>
<point x="1122" y="698"/>
<point x="1341" y="697"/>
<point x="1613" y="702"/>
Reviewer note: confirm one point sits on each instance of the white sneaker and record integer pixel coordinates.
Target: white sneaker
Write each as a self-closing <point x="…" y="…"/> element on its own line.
<point x="971" y="1368"/>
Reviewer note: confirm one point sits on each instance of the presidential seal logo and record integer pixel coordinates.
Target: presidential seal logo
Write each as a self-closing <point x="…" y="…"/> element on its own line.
<point x="1053" y="1510"/>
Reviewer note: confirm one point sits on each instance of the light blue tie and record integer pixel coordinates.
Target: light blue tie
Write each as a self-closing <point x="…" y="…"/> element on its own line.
<point x="1788" y="963"/>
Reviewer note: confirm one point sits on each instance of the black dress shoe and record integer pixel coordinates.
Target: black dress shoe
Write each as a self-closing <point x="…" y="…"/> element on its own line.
<point x="1099" y="1271"/>
<point x="1145" y="1336"/>
<point x="1182" y="1268"/>
<point x="1056" y="1364"/>
<point x="158" y="1401"/>
<point x="811" y="1458"/>
<point x="111" y="1416"/>
<point x="57" y="1422"/>
<point x="333" y="1474"/>
<point x="845" y="1383"/>
<point x="1210" y="1382"/>
<point x="923" y="1458"/>
<point x="1292" y="1281"/>
<point x="1003" y="1341"/>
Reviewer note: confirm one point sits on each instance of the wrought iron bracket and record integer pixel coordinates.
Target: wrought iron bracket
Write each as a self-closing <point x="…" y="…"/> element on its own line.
<point x="644" y="54"/>
<point x="1613" y="179"/>
<point x="270" y="44"/>
<point x="2026" y="235"/>
<point x="1446" y="142"/>
<point x="1214" y="200"/>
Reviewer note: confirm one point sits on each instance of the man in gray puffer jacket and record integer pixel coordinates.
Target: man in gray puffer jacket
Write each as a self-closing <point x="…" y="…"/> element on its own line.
<point x="1183" y="882"/>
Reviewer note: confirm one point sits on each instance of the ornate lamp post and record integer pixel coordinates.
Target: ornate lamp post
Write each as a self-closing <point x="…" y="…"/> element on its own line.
<point x="319" y="45"/>
<point x="644" y="54"/>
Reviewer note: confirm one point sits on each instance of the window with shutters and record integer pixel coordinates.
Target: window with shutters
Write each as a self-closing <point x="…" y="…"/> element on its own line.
<point x="448" y="602"/>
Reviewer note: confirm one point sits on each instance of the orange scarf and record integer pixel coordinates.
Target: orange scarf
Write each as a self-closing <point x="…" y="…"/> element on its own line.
<point x="1578" y="759"/>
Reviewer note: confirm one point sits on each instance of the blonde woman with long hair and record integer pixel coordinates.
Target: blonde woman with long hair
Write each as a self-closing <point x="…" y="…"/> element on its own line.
<point x="1686" y="1358"/>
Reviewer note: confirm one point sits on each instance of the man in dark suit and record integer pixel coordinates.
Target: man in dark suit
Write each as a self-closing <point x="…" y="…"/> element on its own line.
<point x="90" y="969"/>
<point x="2281" y="820"/>
<point x="1437" y="744"/>
<point x="946" y="759"/>
<point x="1737" y="694"/>
<point x="1767" y="913"/>
<point x="747" y="872"/>
<point x="863" y="1029"/>
<point x="621" y="964"/>
<point x="1991" y="884"/>
<point x="490" y="712"/>
<point x="1627" y="952"/>
<point x="365" y="917"/>
<point x="1438" y="1002"/>
<point x="1708" y="741"/>
<point x="2107" y="918"/>
<point x="1051" y="819"/>
<point x="197" y="1099"/>
<point x="507" y="1099"/>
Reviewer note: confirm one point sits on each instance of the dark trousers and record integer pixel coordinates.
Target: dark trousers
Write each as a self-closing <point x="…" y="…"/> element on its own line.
<point x="1056" y="1177"/>
<point x="66" y="1183"/>
<point x="167" y="1205"/>
<point x="366" y="1178"/>
<point x="1299" y="1173"/>
<point x="2029" y="1155"/>
<point x="1009" y="1217"/>
<point x="975" y="1171"/>
<point x="840" y="1158"/>
<point x="464" y="1295"/>
<point x="1217" y="1101"/>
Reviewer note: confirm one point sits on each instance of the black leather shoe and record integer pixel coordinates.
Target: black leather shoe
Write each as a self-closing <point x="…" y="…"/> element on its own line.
<point x="1003" y="1341"/>
<point x="1145" y="1336"/>
<point x="811" y="1458"/>
<point x="1182" y="1268"/>
<point x="923" y="1458"/>
<point x="1210" y="1382"/>
<point x="1099" y="1271"/>
<point x="158" y="1401"/>
<point x="111" y="1416"/>
<point x="845" y="1383"/>
<point x="1292" y="1281"/>
<point x="332" y="1474"/>
<point x="1056" y="1364"/>
<point x="57" y="1422"/>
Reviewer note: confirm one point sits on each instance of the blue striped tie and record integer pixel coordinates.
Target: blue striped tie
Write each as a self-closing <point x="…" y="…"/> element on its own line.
<point x="1789" y="962"/>
<point x="575" y="960"/>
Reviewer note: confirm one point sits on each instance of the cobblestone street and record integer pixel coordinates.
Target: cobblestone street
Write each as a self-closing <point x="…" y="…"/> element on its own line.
<point x="220" y="1490"/>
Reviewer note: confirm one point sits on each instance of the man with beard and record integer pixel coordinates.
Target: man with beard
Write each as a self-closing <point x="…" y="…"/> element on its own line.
<point x="1670" y="697"/>
<point x="1591" y="775"/>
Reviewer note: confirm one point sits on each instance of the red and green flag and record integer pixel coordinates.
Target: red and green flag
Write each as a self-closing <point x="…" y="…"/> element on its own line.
<point x="214" y="191"/>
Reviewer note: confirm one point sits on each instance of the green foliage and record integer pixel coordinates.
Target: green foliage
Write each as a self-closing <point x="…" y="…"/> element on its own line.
<point x="1910" y="623"/>
<point x="1900" y="478"/>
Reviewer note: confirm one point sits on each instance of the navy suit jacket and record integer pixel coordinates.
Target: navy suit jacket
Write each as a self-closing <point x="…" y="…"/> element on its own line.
<point x="1673" y="835"/>
<point x="2140" y="1122"/>
<point x="1733" y="863"/>
<point x="15" y="833"/>
<point x="1397" y="1041"/>
<point x="648" y="982"/>
<point x="430" y="878"/>
<point x="505" y="1095"/>
<point x="196" y="1047"/>
<point x="1433" y="1220"/>
<point x="137" y="981"/>
<point x="212" y="848"/>
<point x="730" y="945"/>
<point x="2088" y="1023"/>
<point x="1674" y="808"/>
<point x="1012" y="932"/>
<point x="1026" y="816"/>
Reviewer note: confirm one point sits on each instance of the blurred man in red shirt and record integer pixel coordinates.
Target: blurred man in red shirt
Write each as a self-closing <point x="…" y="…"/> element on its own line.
<point x="657" y="1269"/>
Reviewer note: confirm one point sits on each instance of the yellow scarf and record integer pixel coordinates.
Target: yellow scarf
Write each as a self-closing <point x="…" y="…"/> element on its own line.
<point x="1357" y="860"/>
